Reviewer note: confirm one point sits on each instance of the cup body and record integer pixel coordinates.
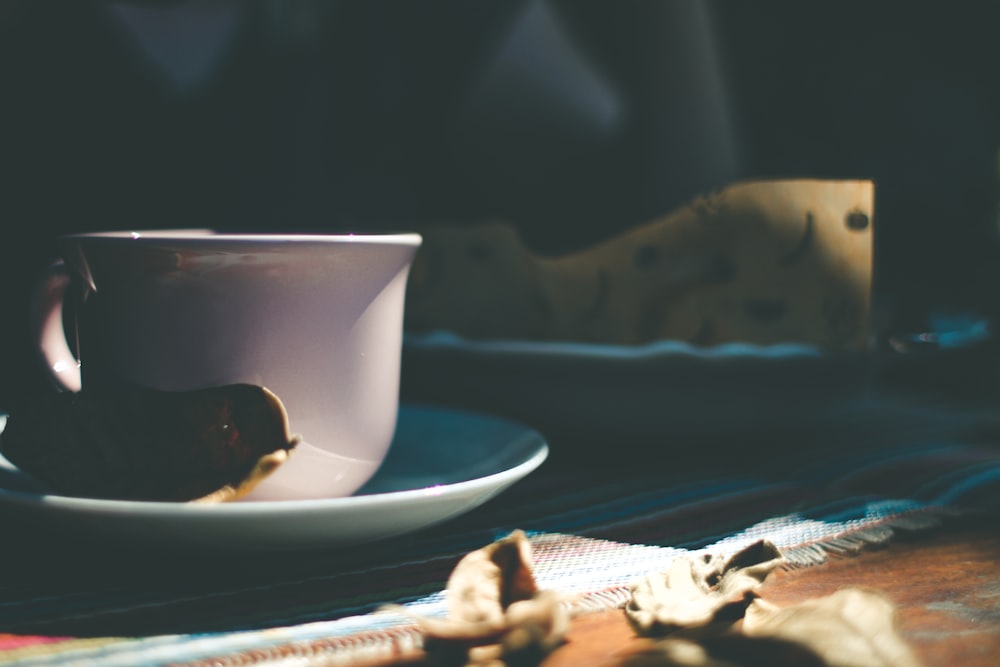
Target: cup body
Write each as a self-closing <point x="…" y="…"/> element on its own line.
<point x="317" y="319"/>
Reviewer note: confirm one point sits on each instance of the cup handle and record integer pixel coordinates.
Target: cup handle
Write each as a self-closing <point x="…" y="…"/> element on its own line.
<point x="47" y="327"/>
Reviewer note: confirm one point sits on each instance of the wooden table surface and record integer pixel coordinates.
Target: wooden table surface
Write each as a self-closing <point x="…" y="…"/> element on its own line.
<point x="945" y="582"/>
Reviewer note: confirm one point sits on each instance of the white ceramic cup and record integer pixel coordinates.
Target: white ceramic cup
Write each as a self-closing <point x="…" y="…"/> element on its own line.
<point x="317" y="319"/>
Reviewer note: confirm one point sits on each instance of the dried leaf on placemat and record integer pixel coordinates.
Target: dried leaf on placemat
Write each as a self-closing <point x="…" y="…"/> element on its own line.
<point x="725" y="651"/>
<point x="850" y="628"/>
<point x="496" y="613"/>
<point x="695" y="594"/>
<point x="209" y="445"/>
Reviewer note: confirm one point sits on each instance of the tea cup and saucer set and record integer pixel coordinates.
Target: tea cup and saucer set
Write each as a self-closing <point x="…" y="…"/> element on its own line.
<point x="317" y="320"/>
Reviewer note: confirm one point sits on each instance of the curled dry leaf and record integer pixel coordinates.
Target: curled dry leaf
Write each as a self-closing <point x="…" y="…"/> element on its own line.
<point x="700" y="594"/>
<point x="677" y="653"/>
<point x="850" y="628"/>
<point x="208" y="445"/>
<point x="730" y="650"/>
<point x="697" y="602"/>
<point x="496" y="613"/>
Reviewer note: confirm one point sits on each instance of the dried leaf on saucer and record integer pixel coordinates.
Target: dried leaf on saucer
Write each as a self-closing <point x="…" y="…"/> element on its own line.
<point x="209" y="445"/>
<point x="496" y="614"/>
<point x="698" y="594"/>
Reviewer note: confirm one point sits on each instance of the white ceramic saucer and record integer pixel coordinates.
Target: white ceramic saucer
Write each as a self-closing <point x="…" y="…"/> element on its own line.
<point x="442" y="463"/>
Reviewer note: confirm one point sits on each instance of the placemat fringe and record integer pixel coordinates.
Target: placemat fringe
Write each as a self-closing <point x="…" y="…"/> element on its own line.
<point x="376" y="646"/>
<point x="610" y="598"/>
<point x="853" y="541"/>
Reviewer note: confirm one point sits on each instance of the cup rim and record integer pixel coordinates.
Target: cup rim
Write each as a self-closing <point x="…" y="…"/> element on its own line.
<point x="202" y="236"/>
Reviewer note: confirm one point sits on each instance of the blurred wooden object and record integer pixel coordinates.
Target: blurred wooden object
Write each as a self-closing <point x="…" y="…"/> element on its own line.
<point x="771" y="261"/>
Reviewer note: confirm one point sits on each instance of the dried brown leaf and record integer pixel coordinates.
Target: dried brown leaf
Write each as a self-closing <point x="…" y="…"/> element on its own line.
<point x="207" y="445"/>
<point x="496" y="614"/>
<point x="700" y="593"/>
<point x="850" y="628"/>
<point x="729" y="650"/>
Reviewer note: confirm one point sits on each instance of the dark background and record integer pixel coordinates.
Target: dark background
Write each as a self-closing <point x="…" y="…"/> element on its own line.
<point x="573" y="119"/>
